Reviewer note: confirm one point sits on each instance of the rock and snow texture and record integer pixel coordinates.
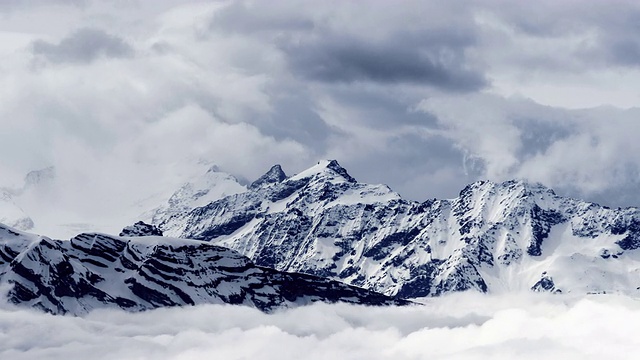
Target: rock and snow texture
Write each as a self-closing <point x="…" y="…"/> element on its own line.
<point x="93" y="271"/>
<point x="141" y="229"/>
<point x="273" y="176"/>
<point x="511" y="236"/>
<point x="214" y="185"/>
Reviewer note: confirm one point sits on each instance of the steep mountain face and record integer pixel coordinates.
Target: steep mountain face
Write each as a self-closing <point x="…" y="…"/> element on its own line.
<point x="203" y="190"/>
<point x="136" y="273"/>
<point x="273" y="176"/>
<point x="493" y="237"/>
<point x="48" y="201"/>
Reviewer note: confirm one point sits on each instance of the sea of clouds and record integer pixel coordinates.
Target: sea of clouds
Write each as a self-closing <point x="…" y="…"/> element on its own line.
<point x="466" y="326"/>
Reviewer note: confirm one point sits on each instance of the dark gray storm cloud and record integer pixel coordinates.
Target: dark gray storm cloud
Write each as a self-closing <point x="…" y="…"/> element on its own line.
<point x="320" y="49"/>
<point x="538" y="135"/>
<point x="608" y="29"/>
<point x="240" y="17"/>
<point x="83" y="46"/>
<point x="343" y="59"/>
<point x="383" y="108"/>
<point x="294" y="118"/>
<point x="438" y="173"/>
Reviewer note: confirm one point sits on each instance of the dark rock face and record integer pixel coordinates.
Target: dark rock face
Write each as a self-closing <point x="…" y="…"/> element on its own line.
<point x="541" y="223"/>
<point x="323" y="222"/>
<point x="96" y="271"/>
<point x="141" y="229"/>
<point x="273" y="176"/>
<point x="545" y="284"/>
<point x="631" y="230"/>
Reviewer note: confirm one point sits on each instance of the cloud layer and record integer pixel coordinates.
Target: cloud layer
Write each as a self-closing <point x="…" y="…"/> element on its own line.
<point x="467" y="326"/>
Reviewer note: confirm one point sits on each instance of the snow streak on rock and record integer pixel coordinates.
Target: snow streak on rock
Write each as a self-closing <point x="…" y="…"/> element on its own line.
<point x="94" y="271"/>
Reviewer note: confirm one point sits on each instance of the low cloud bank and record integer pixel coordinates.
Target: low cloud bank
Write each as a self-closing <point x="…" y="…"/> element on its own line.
<point x="454" y="327"/>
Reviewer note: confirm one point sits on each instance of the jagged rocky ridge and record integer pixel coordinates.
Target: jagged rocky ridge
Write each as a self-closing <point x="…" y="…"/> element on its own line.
<point x="494" y="237"/>
<point x="93" y="271"/>
<point x="140" y="228"/>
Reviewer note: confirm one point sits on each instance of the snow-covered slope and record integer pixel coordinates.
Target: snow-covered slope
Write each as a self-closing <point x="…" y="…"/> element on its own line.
<point x="93" y="271"/>
<point x="201" y="191"/>
<point x="60" y="205"/>
<point x="510" y="236"/>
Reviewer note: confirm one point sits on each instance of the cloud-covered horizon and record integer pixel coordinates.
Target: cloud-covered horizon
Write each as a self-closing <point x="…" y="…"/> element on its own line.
<point x="459" y="326"/>
<point x="125" y="97"/>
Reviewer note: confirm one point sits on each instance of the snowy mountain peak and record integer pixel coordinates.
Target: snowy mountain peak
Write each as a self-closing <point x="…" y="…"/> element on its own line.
<point x="520" y="186"/>
<point x="530" y="188"/>
<point x="211" y="186"/>
<point x="333" y="165"/>
<point x="327" y="169"/>
<point x="273" y="176"/>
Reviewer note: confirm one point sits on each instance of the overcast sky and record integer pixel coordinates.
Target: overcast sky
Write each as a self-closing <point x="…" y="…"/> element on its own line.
<point x="425" y="96"/>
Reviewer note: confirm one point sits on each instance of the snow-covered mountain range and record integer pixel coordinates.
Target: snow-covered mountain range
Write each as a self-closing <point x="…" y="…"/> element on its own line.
<point x="93" y="271"/>
<point x="494" y="237"/>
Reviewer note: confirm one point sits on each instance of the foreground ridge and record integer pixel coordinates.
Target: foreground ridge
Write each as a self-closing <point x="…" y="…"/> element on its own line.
<point x="93" y="271"/>
<point x="494" y="237"/>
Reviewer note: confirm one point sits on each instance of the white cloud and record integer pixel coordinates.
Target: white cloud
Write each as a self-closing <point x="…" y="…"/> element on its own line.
<point x="467" y="326"/>
<point x="583" y="153"/>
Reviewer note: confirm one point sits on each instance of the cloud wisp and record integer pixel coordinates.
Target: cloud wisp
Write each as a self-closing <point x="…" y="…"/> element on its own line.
<point x="83" y="46"/>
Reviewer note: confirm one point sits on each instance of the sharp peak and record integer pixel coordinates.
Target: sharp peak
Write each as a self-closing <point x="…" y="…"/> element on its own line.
<point x="333" y="165"/>
<point x="275" y="169"/>
<point x="321" y="167"/>
<point x="274" y="175"/>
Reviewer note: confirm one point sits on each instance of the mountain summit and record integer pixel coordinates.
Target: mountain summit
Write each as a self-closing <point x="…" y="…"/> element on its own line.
<point x="273" y="176"/>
